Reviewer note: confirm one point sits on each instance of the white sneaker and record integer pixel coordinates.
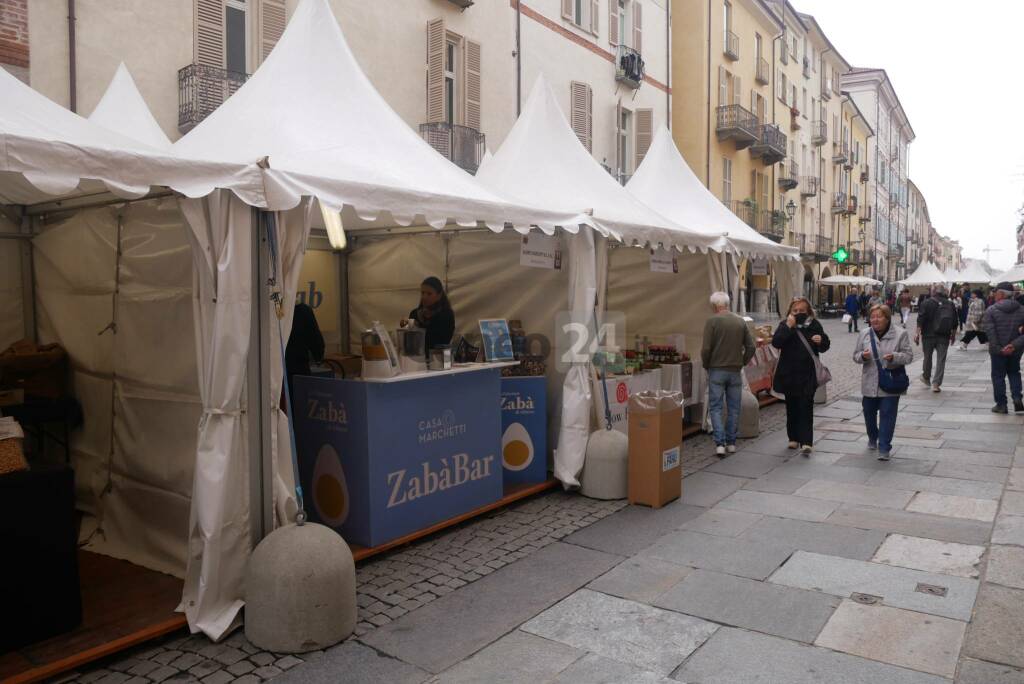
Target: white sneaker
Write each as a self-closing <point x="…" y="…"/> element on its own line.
<point x="731" y="448"/>
<point x="936" y="389"/>
<point x="963" y="347"/>
<point x="720" y="451"/>
<point x="806" y="449"/>
<point x="793" y="445"/>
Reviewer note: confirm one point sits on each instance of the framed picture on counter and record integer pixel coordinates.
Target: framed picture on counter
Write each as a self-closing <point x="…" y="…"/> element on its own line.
<point x="497" y="341"/>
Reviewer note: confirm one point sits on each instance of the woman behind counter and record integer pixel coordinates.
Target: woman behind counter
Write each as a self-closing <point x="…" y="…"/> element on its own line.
<point x="795" y="374"/>
<point x="434" y="313"/>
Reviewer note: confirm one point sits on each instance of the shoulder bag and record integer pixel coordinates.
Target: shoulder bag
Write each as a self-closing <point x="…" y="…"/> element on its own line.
<point x="890" y="380"/>
<point x="821" y="372"/>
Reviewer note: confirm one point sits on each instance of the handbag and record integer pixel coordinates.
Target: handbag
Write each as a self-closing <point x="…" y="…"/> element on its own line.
<point x="821" y="372"/>
<point x="847" y="318"/>
<point x="890" y="380"/>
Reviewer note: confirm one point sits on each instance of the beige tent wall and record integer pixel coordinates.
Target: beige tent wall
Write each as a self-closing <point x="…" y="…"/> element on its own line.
<point x="134" y="456"/>
<point x="12" y="321"/>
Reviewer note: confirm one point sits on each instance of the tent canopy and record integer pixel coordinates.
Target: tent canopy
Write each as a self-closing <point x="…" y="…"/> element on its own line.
<point x="849" y="280"/>
<point x="666" y="183"/>
<point x="973" y="273"/>
<point x="123" y="109"/>
<point x="322" y="130"/>
<point x="542" y="160"/>
<point x="1014" y="275"/>
<point x="926" y="274"/>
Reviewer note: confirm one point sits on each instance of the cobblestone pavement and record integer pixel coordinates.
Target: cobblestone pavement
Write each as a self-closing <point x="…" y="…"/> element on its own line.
<point x="402" y="581"/>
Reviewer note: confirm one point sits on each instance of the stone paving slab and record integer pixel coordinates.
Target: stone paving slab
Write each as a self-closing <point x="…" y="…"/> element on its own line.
<point x="851" y="436"/>
<point x="352" y="663"/>
<point x="707" y="489"/>
<point x="649" y="638"/>
<point x="811" y="469"/>
<point x="869" y="461"/>
<point x="979" y="418"/>
<point x="593" y="669"/>
<point x="722" y="521"/>
<point x="776" y="484"/>
<point x="516" y="657"/>
<point x="899" y="637"/>
<point x="1016" y="481"/>
<point x="736" y="656"/>
<point x="856" y="448"/>
<point x="1009" y="530"/>
<point x="633" y="528"/>
<point x="931" y="555"/>
<point x="442" y="633"/>
<point x="938" y="485"/>
<point x="640" y="578"/>
<point x="759" y="606"/>
<point x="913" y="524"/>
<point x="832" y="540"/>
<point x="779" y="505"/>
<point x="845" y="492"/>
<point x="897" y="586"/>
<point x="980" y="672"/>
<point x="1013" y="504"/>
<point x="997" y="632"/>
<point x="746" y="464"/>
<point x="970" y="471"/>
<point x="743" y="557"/>
<point x="954" y="506"/>
<point x="1006" y="566"/>
<point x="857" y="428"/>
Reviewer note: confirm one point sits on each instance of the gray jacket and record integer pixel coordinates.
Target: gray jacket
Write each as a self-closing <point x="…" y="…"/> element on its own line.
<point x="896" y="341"/>
<point x="1002" y="324"/>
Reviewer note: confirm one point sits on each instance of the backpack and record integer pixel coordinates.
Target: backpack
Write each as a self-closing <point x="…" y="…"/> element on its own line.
<point x="945" y="320"/>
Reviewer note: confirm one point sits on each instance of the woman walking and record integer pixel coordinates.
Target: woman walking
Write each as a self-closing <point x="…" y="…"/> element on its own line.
<point x="972" y="327"/>
<point x="905" y="301"/>
<point x="884" y="348"/>
<point x="800" y="339"/>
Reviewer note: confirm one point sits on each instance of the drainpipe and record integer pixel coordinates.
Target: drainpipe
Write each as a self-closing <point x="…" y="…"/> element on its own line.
<point x="519" y="58"/>
<point x="72" y="59"/>
<point x="668" y="65"/>
<point x="707" y="138"/>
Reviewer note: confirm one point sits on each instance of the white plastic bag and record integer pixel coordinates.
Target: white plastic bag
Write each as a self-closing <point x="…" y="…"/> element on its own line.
<point x="847" y="318"/>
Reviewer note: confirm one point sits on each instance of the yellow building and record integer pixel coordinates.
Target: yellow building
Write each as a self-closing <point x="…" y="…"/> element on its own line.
<point x="850" y="200"/>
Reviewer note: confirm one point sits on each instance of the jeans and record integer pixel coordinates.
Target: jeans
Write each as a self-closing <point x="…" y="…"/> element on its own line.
<point x="904" y="315"/>
<point x="800" y="419"/>
<point x="852" y="325"/>
<point x="1006" y="367"/>
<point x="939" y="345"/>
<point x="881" y="434"/>
<point x="727" y="385"/>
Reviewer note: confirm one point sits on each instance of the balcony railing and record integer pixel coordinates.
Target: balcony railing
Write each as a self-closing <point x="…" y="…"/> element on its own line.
<point x="817" y="247"/>
<point x="629" y="67"/>
<point x="865" y="173"/>
<point x="819" y="133"/>
<point x="462" y="145"/>
<point x="840" y="152"/>
<point x="764" y="221"/>
<point x="771" y="144"/>
<point x="896" y="251"/>
<point x="794" y="119"/>
<point x="865" y="214"/>
<point x="764" y="71"/>
<point x="839" y="203"/>
<point x="732" y="45"/>
<point x="737" y="124"/>
<point x="808" y="186"/>
<point x="851" y="205"/>
<point x="201" y="89"/>
<point x="789" y="176"/>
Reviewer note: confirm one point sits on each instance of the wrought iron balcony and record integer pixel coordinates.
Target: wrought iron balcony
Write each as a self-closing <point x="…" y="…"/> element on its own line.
<point x="896" y="251"/>
<point x="840" y="152"/>
<point x="809" y="186"/>
<point x="851" y="205"/>
<point x="764" y="71"/>
<point x="819" y="133"/>
<point x="794" y="119"/>
<point x="770" y="145"/>
<point x="816" y="247"/>
<point x="839" y="203"/>
<point x="462" y="145"/>
<point x="855" y="256"/>
<point x="737" y="124"/>
<point x="201" y="89"/>
<point x="865" y="173"/>
<point x="865" y="214"/>
<point x="771" y="224"/>
<point x="629" y="67"/>
<point x="732" y="45"/>
<point x="789" y="176"/>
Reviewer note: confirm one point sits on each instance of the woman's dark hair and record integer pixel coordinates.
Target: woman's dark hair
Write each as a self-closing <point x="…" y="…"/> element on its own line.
<point x="435" y="284"/>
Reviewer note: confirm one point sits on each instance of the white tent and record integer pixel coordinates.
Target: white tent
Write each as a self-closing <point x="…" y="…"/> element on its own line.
<point x="973" y="273"/>
<point x="927" y="274"/>
<point x="665" y="182"/>
<point x="123" y="109"/>
<point x="951" y="275"/>
<point x="849" y="280"/>
<point x="1013" y="275"/>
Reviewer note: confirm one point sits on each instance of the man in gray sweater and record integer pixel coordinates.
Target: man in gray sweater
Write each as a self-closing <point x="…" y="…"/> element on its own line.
<point x="1002" y="324"/>
<point x="728" y="347"/>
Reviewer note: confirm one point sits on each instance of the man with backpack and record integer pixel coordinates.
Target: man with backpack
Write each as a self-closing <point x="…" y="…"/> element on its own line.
<point x="1003" y="323"/>
<point x="937" y="322"/>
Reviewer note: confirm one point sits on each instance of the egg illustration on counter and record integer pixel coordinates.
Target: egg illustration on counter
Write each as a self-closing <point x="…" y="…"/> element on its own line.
<point x="516" y="447"/>
<point x="330" y="490"/>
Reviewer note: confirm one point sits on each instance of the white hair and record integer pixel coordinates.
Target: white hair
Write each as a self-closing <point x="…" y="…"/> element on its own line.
<point x="720" y="299"/>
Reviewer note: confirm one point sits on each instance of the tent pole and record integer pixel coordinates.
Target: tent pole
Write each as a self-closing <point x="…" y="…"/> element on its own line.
<point x="261" y="513"/>
<point x="28" y="280"/>
<point x="343" y="320"/>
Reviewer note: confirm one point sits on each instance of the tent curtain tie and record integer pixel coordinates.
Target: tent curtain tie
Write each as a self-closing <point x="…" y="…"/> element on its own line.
<point x="237" y="413"/>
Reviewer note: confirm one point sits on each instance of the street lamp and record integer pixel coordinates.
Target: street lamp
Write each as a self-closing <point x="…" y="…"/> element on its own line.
<point x="791" y="210"/>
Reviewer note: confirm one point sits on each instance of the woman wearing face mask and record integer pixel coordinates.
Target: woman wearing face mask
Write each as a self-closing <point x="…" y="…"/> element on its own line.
<point x="795" y="374"/>
<point x="891" y="350"/>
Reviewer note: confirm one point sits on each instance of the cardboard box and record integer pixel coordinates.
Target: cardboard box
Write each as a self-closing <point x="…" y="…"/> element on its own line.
<point x="655" y="447"/>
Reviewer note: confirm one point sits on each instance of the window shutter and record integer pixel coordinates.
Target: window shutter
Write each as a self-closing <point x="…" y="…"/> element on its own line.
<point x="590" y="120"/>
<point x="435" y="70"/>
<point x="644" y="134"/>
<point x="638" y="26"/>
<point x="737" y="91"/>
<point x="580" y="115"/>
<point x="723" y="87"/>
<point x="273" y="18"/>
<point x="613" y="22"/>
<point x="209" y="36"/>
<point x="595" y="15"/>
<point x="567" y="10"/>
<point x="472" y="67"/>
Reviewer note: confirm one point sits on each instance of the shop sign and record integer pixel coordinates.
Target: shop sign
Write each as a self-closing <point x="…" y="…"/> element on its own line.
<point x="537" y="250"/>
<point x="759" y="267"/>
<point x="619" y="391"/>
<point x="524" y="422"/>
<point x="664" y="261"/>
<point x="318" y="287"/>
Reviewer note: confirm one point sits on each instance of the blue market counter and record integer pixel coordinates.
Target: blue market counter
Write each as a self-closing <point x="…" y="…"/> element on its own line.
<point x="382" y="459"/>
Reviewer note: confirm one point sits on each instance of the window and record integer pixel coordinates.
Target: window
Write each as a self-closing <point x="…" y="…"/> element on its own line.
<point x="582" y="13"/>
<point x="453" y="77"/>
<point x="796" y="49"/>
<point x="757" y="45"/>
<point x="236" y="24"/>
<point x="728" y="21"/>
<point x="625" y="135"/>
<point x="450" y="85"/>
<point x="792" y="94"/>
<point x="804" y="101"/>
<point x="727" y="181"/>
<point x="622" y="22"/>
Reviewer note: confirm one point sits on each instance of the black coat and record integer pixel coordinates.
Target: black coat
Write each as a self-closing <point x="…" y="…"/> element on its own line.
<point x="794" y="374"/>
<point x="440" y="327"/>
